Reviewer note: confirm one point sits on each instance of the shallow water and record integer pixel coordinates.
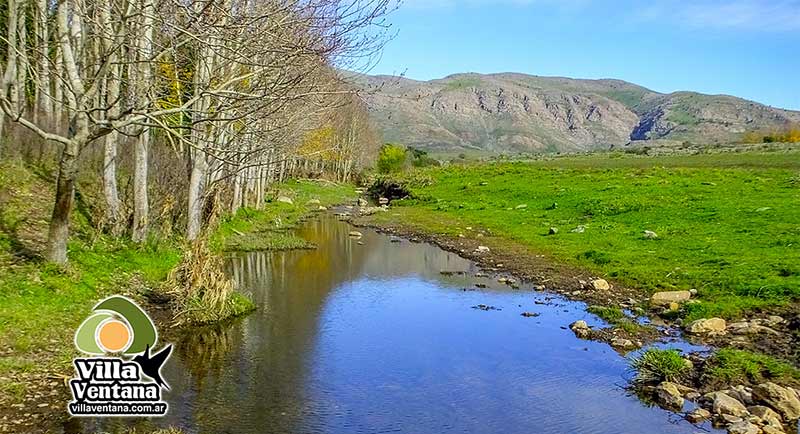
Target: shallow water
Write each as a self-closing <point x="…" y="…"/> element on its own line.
<point x="372" y="338"/>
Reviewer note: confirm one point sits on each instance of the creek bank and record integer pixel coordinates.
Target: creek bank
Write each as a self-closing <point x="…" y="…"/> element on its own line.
<point x="764" y="332"/>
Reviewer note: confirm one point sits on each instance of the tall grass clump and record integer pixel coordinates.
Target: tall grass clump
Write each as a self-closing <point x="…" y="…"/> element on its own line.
<point x="200" y="290"/>
<point x="656" y="365"/>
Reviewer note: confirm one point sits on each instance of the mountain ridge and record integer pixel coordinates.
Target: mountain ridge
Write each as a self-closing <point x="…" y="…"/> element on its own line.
<point x="515" y="112"/>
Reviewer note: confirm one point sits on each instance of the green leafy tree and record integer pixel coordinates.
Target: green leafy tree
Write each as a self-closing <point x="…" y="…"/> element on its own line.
<point x="391" y="158"/>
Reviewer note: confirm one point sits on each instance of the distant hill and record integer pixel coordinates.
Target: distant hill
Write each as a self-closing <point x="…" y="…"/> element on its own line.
<point x="512" y="112"/>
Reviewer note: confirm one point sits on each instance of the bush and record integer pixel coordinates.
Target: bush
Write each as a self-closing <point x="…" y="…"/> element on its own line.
<point x="391" y="158"/>
<point x="655" y="366"/>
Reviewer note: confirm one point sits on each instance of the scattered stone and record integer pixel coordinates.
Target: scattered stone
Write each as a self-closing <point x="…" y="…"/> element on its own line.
<point x="743" y="427"/>
<point x="600" y="285"/>
<point x="529" y="314"/>
<point x="313" y="202"/>
<point x="698" y="415"/>
<point x="709" y="326"/>
<point x="356" y="234"/>
<point x="480" y="285"/>
<point x="623" y="344"/>
<point x="669" y="396"/>
<point x="482" y="249"/>
<point x="521" y="206"/>
<point x="766" y="414"/>
<point x="664" y="298"/>
<point x="579" y="230"/>
<point x="285" y="199"/>
<point x="724" y="404"/>
<point x="485" y="307"/>
<point x="553" y="231"/>
<point x="775" y="319"/>
<point x="650" y="235"/>
<point x="783" y="400"/>
<point x="580" y="328"/>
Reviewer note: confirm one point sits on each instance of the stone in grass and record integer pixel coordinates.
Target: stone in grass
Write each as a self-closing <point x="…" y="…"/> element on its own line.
<point x="552" y="231"/>
<point x="664" y="298"/>
<point x="521" y="206"/>
<point x="600" y="285"/>
<point x="285" y="199"/>
<point x="707" y="326"/>
<point x="650" y="235"/>
<point x="313" y="202"/>
<point x="669" y="396"/>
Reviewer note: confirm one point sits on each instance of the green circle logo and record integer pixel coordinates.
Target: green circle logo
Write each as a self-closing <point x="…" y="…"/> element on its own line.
<point x="118" y="326"/>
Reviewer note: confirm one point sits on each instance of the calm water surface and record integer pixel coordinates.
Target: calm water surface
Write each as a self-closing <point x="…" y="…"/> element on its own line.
<point x="372" y="338"/>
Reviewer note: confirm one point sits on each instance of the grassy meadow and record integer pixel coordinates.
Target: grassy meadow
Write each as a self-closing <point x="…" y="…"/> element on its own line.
<point x="727" y="224"/>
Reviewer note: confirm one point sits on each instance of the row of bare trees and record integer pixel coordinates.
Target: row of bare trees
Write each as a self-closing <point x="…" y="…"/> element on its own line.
<point x="234" y="88"/>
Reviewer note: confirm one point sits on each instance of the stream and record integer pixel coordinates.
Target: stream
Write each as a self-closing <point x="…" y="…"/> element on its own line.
<point x="367" y="335"/>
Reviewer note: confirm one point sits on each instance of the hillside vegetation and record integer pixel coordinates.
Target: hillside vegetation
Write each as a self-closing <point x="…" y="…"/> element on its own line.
<point x="513" y="113"/>
<point x="727" y="224"/>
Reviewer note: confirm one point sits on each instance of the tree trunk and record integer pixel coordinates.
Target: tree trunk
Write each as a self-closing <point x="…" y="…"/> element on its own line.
<point x="140" y="201"/>
<point x="196" y="184"/>
<point x="44" y="101"/>
<point x="58" y="233"/>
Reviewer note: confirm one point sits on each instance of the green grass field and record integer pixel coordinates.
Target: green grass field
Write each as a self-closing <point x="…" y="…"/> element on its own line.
<point x="727" y="224"/>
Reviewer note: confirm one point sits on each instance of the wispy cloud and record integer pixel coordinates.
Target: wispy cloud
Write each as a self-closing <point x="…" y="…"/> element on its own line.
<point x="782" y="15"/>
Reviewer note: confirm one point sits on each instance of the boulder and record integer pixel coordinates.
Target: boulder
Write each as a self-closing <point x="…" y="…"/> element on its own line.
<point x="766" y="414"/>
<point x="772" y="429"/>
<point x="580" y="328"/>
<point x="707" y="326"/>
<point x="743" y="394"/>
<point x="664" y="298"/>
<point x="285" y="199"/>
<point x="743" y="427"/>
<point x="600" y="285"/>
<point x="669" y="396"/>
<point x="698" y="415"/>
<point x="724" y="404"/>
<point x="783" y="400"/>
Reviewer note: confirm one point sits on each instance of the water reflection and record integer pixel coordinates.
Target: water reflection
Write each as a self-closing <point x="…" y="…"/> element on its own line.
<point x="366" y="336"/>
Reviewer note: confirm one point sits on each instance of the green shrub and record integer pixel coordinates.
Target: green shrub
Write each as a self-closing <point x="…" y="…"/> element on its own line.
<point x="655" y="366"/>
<point x="391" y="158"/>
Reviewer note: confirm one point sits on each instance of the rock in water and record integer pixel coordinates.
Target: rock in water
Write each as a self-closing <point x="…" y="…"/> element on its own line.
<point x="580" y="328"/>
<point x="356" y="234"/>
<point x="664" y="298"/>
<point x="743" y="427"/>
<point x="709" y="326"/>
<point x="783" y="400"/>
<point x="698" y="415"/>
<point x="669" y="396"/>
<point x="726" y="405"/>
<point x="285" y="199"/>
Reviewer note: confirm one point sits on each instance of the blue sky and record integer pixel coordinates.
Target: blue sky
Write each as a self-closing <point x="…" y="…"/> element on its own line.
<point x="746" y="48"/>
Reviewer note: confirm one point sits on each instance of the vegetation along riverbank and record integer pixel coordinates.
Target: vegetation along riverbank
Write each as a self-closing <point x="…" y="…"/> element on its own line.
<point x="704" y="244"/>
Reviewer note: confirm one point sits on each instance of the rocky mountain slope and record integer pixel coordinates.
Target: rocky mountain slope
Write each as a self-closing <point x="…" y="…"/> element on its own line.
<point x="511" y="112"/>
